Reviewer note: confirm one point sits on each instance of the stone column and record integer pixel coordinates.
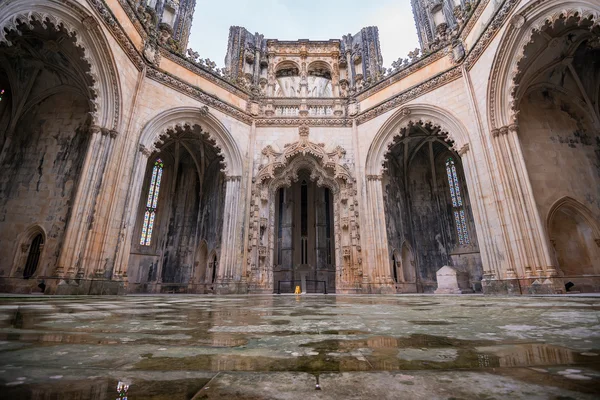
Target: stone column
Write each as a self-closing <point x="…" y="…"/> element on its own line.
<point x="478" y="208"/>
<point x="81" y="218"/>
<point x="379" y="253"/>
<point x="350" y="68"/>
<point x="230" y="246"/>
<point x="529" y="247"/>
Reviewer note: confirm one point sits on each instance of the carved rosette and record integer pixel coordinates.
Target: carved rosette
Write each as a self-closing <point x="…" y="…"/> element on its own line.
<point x="281" y="169"/>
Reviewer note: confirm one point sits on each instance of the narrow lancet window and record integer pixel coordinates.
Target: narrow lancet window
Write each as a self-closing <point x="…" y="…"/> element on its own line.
<point x="152" y="203"/>
<point x="457" y="203"/>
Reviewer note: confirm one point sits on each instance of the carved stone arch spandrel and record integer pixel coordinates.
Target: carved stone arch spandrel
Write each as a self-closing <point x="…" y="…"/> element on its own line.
<point x="506" y="69"/>
<point x="85" y="29"/>
<point x="437" y="118"/>
<point x="170" y="119"/>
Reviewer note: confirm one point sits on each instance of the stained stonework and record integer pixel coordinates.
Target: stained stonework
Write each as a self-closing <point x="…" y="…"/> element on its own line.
<point x="300" y="161"/>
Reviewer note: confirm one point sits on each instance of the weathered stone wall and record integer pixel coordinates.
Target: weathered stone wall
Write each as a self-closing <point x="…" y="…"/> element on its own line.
<point x="41" y="166"/>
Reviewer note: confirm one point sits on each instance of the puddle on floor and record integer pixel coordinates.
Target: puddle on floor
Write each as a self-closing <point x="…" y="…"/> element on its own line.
<point x="103" y="388"/>
<point x="383" y="353"/>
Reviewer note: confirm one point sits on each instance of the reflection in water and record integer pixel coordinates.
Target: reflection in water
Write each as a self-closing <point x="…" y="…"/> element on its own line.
<point x="122" y="389"/>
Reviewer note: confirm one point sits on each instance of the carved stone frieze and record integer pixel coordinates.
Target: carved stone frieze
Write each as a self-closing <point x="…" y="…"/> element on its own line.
<point x="209" y="75"/>
<point x="198" y="94"/>
<point x="409" y="94"/>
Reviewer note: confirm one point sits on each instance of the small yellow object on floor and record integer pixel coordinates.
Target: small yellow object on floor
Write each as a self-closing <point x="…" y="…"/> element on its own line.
<point x="297" y="290"/>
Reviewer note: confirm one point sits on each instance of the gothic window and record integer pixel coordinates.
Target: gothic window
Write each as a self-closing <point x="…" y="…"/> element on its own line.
<point x="304" y="222"/>
<point x="152" y="203"/>
<point x="1" y="94"/>
<point x="33" y="257"/>
<point x="458" y="208"/>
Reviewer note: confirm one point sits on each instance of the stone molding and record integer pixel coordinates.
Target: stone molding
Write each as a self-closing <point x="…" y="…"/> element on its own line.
<point x="283" y="122"/>
<point x="180" y="60"/>
<point x="198" y="94"/>
<point x="409" y="94"/>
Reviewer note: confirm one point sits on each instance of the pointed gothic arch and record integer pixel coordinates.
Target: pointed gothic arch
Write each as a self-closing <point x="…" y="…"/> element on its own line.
<point x="411" y="114"/>
<point x="30" y="243"/>
<point x="574" y="233"/>
<point x="506" y="72"/>
<point x="86" y="30"/>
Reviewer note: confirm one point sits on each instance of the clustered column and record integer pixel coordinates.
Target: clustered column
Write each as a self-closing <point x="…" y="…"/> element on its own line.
<point x="531" y="255"/>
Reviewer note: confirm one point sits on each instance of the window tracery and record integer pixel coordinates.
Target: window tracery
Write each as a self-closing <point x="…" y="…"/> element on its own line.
<point x="152" y="203"/>
<point x="457" y="203"/>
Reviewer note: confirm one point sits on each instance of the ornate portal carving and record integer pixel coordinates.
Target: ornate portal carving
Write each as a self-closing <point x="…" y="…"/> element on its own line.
<point x="326" y="168"/>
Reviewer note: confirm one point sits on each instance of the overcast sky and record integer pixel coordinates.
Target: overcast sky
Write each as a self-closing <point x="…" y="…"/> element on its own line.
<point x="303" y="19"/>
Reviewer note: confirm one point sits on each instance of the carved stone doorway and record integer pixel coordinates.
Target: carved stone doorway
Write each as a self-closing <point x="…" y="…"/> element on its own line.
<point x="304" y="244"/>
<point x="284" y="251"/>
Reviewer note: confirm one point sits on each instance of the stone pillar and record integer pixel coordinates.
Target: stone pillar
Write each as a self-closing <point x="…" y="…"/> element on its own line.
<point x="379" y="253"/>
<point x="478" y="208"/>
<point x="230" y="246"/>
<point x="131" y="210"/>
<point x="350" y="68"/>
<point x="287" y="236"/>
<point x="81" y="218"/>
<point x="303" y="78"/>
<point x="529" y="247"/>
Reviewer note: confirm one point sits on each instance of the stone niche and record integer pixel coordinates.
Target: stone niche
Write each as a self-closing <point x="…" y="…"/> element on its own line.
<point x="451" y="281"/>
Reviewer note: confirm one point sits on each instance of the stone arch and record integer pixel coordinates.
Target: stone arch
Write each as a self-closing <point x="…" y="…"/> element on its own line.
<point x="319" y="64"/>
<point x="575" y="235"/>
<point x="179" y="117"/>
<point x="408" y="268"/>
<point x="23" y="244"/>
<point x="84" y="27"/>
<point x="201" y="260"/>
<point x="286" y="64"/>
<point x="437" y="117"/>
<point x="506" y="70"/>
<point x="586" y="214"/>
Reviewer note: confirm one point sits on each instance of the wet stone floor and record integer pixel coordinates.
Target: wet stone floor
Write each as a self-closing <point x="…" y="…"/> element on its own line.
<point x="282" y="347"/>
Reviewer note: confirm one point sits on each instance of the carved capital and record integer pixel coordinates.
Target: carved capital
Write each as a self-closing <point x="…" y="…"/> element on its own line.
<point x="513" y="128"/>
<point x="113" y="134"/>
<point x="233" y="178"/>
<point x="463" y="150"/>
<point x="145" y="151"/>
<point x="374" y="177"/>
<point x="94" y="129"/>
